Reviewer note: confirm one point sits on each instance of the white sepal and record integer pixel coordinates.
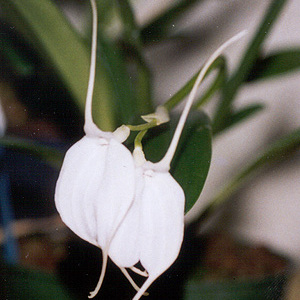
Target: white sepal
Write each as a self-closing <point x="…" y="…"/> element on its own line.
<point x="83" y="163"/>
<point x="95" y="190"/>
<point x="161" y="224"/>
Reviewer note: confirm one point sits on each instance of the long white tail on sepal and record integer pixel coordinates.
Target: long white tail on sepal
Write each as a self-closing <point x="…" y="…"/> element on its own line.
<point x="164" y="164"/>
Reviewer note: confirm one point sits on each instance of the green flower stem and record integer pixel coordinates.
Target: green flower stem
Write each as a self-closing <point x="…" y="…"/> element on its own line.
<point x="276" y="152"/>
<point x="219" y="63"/>
<point x="142" y="127"/>
<point x="138" y="139"/>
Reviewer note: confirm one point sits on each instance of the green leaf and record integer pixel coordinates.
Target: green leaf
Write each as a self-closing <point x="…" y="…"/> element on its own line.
<point x="280" y="150"/>
<point x="157" y="29"/>
<point x="192" y="158"/>
<point x="50" y="155"/>
<point x="222" y="113"/>
<point x="219" y="63"/>
<point x="116" y="73"/>
<point x="243" y="114"/>
<point x="57" y="41"/>
<point x="134" y="50"/>
<point x="14" y="54"/>
<point x="275" y="64"/>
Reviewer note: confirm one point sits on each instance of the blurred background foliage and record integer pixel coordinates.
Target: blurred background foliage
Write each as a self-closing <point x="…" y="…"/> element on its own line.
<point x="44" y="74"/>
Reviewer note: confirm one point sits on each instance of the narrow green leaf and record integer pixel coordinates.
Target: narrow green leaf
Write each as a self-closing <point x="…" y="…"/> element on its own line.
<point x="131" y="30"/>
<point x="222" y="114"/>
<point x="157" y="29"/>
<point x="50" y="155"/>
<point x="133" y="45"/>
<point x="56" y="37"/>
<point x="192" y="159"/>
<point x="275" y="64"/>
<point x="277" y="152"/>
<point x="216" y="85"/>
<point x="20" y="64"/>
<point x="219" y="63"/>
<point x="116" y="73"/>
<point x="57" y="41"/>
<point x="243" y="114"/>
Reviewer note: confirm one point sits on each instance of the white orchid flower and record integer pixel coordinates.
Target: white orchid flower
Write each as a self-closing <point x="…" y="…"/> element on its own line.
<point x="94" y="171"/>
<point x="152" y="231"/>
<point x="129" y="207"/>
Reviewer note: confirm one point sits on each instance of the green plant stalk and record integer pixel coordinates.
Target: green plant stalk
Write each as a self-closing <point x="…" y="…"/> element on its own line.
<point x="231" y="87"/>
<point x="142" y="127"/>
<point x="277" y="151"/>
<point x="139" y="138"/>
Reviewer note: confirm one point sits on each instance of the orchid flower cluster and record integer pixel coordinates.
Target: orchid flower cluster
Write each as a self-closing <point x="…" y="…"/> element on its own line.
<point x="119" y="201"/>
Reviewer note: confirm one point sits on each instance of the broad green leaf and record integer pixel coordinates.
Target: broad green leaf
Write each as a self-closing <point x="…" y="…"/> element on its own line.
<point x="50" y="155"/>
<point x="68" y="53"/>
<point x="157" y="29"/>
<point x="242" y="115"/>
<point x="279" y="151"/>
<point x="157" y="141"/>
<point x="192" y="158"/>
<point x="275" y="64"/>
<point x="222" y="113"/>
